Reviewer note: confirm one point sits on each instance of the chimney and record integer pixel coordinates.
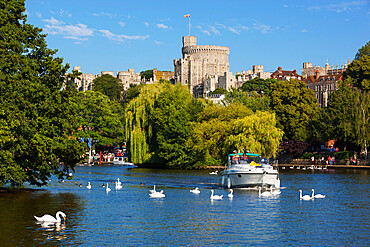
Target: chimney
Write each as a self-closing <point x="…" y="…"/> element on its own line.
<point x="280" y="69"/>
<point x="317" y="73"/>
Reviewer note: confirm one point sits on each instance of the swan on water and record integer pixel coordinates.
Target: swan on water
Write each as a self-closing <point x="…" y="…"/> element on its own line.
<point x="231" y="195"/>
<point x="118" y="182"/>
<point x="305" y="197"/>
<point x="265" y="193"/>
<point x="317" y="195"/>
<point x="153" y="190"/>
<point x="157" y="194"/>
<point x="213" y="173"/>
<point x="50" y="219"/>
<point x="107" y="188"/>
<point x="88" y="185"/>
<point x="275" y="192"/>
<point x="118" y="186"/>
<point x="216" y="197"/>
<point x="195" y="191"/>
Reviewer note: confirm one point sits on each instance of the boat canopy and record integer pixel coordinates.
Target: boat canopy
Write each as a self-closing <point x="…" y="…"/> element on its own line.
<point x="248" y="154"/>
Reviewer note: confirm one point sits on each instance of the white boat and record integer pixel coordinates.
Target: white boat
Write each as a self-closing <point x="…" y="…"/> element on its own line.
<point x="121" y="161"/>
<point x="249" y="170"/>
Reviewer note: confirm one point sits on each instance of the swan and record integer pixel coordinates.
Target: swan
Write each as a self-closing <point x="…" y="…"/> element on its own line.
<point x="276" y="192"/>
<point x="118" y="182"/>
<point x="266" y="193"/>
<point x="50" y="219"/>
<point x="157" y="194"/>
<point x="107" y="188"/>
<point x="216" y="197"/>
<point x="118" y="186"/>
<point x="305" y="197"/>
<point x="153" y="190"/>
<point x="231" y="195"/>
<point x="88" y="186"/>
<point x="195" y="191"/>
<point x="318" y="195"/>
<point x="213" y="173"/>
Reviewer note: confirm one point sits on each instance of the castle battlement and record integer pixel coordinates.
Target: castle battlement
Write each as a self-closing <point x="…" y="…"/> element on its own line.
<point x="205" y="49"/>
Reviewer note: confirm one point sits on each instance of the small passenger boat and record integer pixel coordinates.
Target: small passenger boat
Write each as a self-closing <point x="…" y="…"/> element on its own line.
<point x="248" y="170"/>
<point x="121" y="161"/>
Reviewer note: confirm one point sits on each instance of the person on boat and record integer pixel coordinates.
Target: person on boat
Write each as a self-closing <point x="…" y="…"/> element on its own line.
<point x="244" y="157"/>
<point x="236" y="157"/>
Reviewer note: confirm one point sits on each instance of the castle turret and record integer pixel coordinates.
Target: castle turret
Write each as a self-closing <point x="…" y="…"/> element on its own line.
<point x="189" y="41"/>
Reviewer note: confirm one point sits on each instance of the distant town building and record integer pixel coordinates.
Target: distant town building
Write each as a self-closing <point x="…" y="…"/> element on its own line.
<point x="129" y="77"/>
<point x="308" y="70"/>
<point x="285" y="75"/>
<point x="165" y="75"/>
<point x="323" y="86"/>
<point x="86" y="80"/>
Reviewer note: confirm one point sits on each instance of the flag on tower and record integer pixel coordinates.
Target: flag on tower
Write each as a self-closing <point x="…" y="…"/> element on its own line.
<point x="186" y="16"/>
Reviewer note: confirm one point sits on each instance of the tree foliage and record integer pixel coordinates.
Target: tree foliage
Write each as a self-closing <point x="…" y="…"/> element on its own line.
<point x="358" y="74"/>
<point x="147" y="74"/>
<point x="253" y="100"/>
<point x="36" y="117"/>
<point x="100" y="118"/>
<point x="295" y="106"/>
<point x="219" y="90"/>
<point x="363" y="51"/>
<point x="259" y="85"/>
<point x="109" y="86"/>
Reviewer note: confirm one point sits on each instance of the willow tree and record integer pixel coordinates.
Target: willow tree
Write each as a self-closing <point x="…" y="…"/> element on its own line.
<point x="256" y="133"/>
<point x="138" y="128"/>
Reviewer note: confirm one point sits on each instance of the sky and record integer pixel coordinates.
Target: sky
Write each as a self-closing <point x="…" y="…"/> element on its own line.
<point x="117" y="35"/>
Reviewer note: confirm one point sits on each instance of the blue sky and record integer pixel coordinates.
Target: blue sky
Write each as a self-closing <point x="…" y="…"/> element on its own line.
<point x="117" y="35"/>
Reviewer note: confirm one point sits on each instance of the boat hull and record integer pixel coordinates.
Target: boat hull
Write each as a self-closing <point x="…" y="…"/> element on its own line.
<point x="240" y="179"/>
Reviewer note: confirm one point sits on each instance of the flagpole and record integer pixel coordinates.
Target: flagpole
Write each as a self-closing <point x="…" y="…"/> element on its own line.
<point x="189" y="26"/>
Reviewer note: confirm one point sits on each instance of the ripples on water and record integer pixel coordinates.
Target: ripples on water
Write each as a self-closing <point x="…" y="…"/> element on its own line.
<point x="129" y="217"/>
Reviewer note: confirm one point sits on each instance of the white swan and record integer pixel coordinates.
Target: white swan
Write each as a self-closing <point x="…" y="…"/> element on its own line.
<point x="215" y="197"/>
<point x="213" y="173"/>
<point x="305" y="197"/>
<point x="231" y="195"/>
<point x="275" y="192"/>
<point x="118" y="182"/>
<point x="157" y="194"/>
<point x="195" y="191"/>
<point x="118" y="186"/>
<point x="107" y="189"/>
<point x="265" y="193"/>
<point x="88" y="186"/>
<point x="318" y="195"/>
<point x="50" y="219"/>
<point x="153" y="190"/>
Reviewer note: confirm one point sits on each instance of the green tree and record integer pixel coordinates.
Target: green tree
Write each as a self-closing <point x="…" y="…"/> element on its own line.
<point x="261" y="86"/>
<point x="36" y="117"/>
<point x="343" y="116"/>
<point x="295" y="106"/>
<point x="253" y="100"/>
<point x="147" y="74"/>
<point x="363" y="51"/>
<point x="358" y="74"/>
<point x="100" y="118"/>
<point x="219" y="90"/>
<point x="110" y="86"/>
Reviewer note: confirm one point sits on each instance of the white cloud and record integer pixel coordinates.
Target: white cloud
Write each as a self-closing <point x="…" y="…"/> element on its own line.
<point x="304" y="31"/>
<point x="214" y="30"/>
<point x="121" y="37"/>
<point x="285" y="6"/>
<point x="340" y="7"/>
<point x="110" y="15"/>
<point x="64" y="13"/>
<point x="162" y="26"/>
<point x="262" y="28"/>
<point x="122" y="24"/>
<point x="38" y="14"/>
<point x="233" y="30"/>
<point x="146" y="24"/>
<point x="158" y="42"/>
<point x="76" y="32"/>
<point x="206" y="32"/>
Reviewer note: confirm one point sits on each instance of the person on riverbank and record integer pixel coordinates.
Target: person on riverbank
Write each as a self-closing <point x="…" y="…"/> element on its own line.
<point x="330" y="160"/>
<point x="313" y="160"/>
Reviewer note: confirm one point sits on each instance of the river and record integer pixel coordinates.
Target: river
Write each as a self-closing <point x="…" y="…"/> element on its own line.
<point x="129" y="217"/>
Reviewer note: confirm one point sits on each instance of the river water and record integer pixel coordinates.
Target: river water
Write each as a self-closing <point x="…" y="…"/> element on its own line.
<point x="129" y="217"/>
